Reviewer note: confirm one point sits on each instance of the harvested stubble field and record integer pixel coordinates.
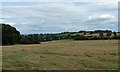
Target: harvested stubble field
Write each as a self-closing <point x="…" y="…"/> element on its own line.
<point x="62" y="55"/>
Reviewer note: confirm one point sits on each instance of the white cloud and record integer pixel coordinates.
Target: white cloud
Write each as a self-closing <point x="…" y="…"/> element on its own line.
<point x="90" y="17"/>
<point x="11" y="23"/>
<point x="107" y="16"/>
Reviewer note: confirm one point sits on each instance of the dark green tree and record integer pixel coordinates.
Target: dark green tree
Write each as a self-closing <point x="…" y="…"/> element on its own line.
<point x="101" y="34"/>
<point x="80" y="37"/>
<point x="30" y="39"/>
<point x="10" y="35"/>
<point x="91" y="32"/>
<point x="115" y="34"/>
<point x="109" y="33"/>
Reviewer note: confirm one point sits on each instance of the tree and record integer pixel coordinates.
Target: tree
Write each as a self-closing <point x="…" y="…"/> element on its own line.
<point x="115" y="34"/>
<point x="84" y="33"/>
<point x="79" y="37"/>
<point x="91" y="32"/>
<point x="101" y="34"/>
<point x="95" y="38"/>
<point x="30" y="39"/>
<point x="109" y="33"/>
<point x="10" y="35"/>
<point x="69" y="36"/>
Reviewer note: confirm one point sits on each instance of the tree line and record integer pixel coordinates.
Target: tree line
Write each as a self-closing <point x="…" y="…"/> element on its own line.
<point x="11" y="36"/>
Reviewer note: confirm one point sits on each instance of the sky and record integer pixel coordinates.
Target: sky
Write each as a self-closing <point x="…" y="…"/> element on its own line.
<point x="56" y="17"/>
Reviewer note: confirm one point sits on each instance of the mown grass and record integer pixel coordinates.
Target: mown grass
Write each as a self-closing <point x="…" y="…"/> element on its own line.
<point x="62" y="55"/>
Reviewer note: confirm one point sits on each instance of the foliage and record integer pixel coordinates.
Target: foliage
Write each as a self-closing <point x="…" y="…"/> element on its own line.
<point x="109" y="33"/>
<point x="115" y="34"/>
<point x="12" y="36"/>
<point x="9" y="35"/>
<point x="80" y="37"/>
<point x="30" y="39"/>
<point x="91" y="32"/>
<point x="116" y="37"/>
<point x="103" y="31"/>
<point x="101" y="34"/>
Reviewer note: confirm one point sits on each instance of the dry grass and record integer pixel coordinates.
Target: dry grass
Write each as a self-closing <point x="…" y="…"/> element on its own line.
<point x="62" y="55"/>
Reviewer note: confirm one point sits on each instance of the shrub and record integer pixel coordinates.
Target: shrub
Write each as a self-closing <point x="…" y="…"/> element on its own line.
<point x="79" y="37"/>
<point x="116" y="37"/>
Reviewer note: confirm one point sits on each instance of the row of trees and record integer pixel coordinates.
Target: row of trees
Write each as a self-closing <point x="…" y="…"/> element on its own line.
<point x="36" y="38"/>
<point x="11" y="36"/>
<point x="108" y="33"/>
<point x="67" y="35"/>
<point x="80" y="37"/>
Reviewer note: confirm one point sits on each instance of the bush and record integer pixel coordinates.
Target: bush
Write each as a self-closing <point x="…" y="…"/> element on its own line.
<point x="116" y="37"/>
<point x="79" y="37"/>
<point x="95" y="38"/>
<point x="31" y="39"/>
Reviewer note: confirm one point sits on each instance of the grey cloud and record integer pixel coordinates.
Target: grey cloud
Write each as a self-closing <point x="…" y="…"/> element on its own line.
<point x="59" y="17"/>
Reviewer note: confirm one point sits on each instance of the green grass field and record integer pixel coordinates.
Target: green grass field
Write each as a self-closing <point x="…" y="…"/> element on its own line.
<point x="62" y="55"/>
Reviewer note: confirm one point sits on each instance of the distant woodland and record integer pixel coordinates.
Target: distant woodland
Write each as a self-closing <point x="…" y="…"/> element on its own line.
<point x="12" y="36"/>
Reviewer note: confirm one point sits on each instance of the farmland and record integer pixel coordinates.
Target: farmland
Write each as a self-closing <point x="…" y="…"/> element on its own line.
<point x="62" y="55"/>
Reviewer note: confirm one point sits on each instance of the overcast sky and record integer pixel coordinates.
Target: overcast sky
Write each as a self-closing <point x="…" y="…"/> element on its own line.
<point x="55" y="17"/>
